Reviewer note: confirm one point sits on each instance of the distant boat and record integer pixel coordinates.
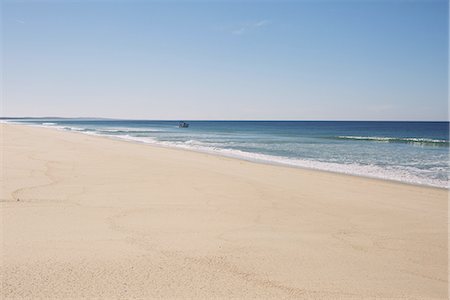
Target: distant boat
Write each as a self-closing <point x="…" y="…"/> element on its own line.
<point x="183" y="124"/>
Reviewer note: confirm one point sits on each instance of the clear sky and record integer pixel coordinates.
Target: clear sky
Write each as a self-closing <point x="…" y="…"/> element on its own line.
<point x="297" y="60"/>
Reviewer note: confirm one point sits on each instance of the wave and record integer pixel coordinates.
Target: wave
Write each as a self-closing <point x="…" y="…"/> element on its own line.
<point x="372" y="171"/>
<point x="59" y="127"/>
<point x="423" y="141"/>
<point x="393" y="173"/>
<point x="397" y="173"/>
<point x="75" y="128"/>
<point x="129" y="130"/>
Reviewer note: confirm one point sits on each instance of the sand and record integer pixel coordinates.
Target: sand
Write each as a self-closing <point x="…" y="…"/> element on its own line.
<point x="86" y="216"/>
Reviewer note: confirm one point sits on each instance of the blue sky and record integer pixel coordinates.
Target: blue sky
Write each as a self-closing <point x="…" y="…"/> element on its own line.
<point x="297" y="60"/>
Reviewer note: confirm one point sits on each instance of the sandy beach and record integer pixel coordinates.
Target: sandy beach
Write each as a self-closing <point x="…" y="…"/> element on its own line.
<point x="86" y="216"/>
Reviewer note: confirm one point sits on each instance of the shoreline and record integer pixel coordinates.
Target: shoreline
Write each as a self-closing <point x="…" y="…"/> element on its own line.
<point x="89" y="217"/>
<point x="256" y="161"/>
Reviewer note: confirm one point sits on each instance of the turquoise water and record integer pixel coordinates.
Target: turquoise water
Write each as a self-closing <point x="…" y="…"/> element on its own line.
<point x="412" y="152"/>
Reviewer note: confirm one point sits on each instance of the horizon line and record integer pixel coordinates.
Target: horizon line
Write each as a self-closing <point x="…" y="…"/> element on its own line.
<point x="225" y="120"/>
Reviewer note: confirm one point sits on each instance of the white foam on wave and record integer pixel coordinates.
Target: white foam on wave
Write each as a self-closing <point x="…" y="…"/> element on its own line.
<point x="42" y="125"/>
<point x="59" y="127"/>
<point x="391" y="173"/>
<point x="75" y="128"/>
<point x="373" y="171"/>
<point x="393" y="139"/>
<point x="9" y="122"/>
<point x="146" y="140"/>
<point x="130" y="129"/>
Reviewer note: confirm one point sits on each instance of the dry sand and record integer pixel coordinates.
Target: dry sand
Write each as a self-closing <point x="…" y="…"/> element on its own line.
<point x="86" y="216"/>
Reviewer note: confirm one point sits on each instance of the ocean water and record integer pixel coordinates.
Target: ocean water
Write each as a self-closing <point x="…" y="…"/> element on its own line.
<point x="411" y="152"/>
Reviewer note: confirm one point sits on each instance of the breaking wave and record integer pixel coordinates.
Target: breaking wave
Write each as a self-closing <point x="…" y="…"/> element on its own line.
<point x="422" y="141"/>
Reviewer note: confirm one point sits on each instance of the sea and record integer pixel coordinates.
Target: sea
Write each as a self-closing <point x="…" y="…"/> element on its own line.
<point x="409" y="152"/>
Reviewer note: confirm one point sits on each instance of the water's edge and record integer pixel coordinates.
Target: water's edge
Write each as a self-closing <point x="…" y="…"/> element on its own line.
<point x="252" y="159"/>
